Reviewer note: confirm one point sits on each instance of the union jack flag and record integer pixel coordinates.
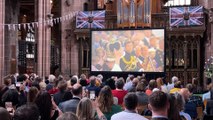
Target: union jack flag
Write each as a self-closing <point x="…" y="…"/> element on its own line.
<point x="90" y="19"/>
<point x="186" y="16"/>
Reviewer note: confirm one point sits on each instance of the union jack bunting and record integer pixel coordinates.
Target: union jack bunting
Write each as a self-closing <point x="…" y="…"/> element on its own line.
<point x="186" y="16"/>
<point x="90" y="19"/>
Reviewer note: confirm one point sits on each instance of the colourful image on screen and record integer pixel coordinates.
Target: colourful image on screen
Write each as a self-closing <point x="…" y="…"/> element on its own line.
<point x="128" y="50"/>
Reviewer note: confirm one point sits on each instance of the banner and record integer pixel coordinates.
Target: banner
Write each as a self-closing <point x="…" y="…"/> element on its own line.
<point x="186" y="16"/>
<point x="90" y="19"/>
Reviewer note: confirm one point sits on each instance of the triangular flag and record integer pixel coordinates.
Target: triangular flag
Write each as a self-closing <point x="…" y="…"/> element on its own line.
<point x="28" y="26"/>
<point x="24" y="25"/>
<point x="9" y="26"/>
<point x="67" y="18"/>
<point x="54" y="21"/>
<point x="58" y="20"/>
<point x="14" y="27"/>
<point x="62" y="18"/>
<point x="19" y="26"/>
<point x="33" y="25"/>
<point x="36" y="24"/>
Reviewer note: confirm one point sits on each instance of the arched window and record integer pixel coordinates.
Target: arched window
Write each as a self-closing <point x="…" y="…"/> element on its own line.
<point x="85" y="6"/>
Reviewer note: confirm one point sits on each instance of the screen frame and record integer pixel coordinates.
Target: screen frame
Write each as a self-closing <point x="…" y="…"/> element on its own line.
<point x="128" y="72"/>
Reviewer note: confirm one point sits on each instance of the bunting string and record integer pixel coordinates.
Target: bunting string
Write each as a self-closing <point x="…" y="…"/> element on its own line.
<point x="50" y="22"/>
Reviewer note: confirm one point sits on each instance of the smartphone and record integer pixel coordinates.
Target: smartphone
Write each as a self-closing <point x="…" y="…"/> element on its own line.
<point x="9" y="106"/>
<point x="92" y="95"/>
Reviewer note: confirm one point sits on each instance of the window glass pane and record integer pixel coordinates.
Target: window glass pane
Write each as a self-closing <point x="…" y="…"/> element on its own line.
<point x="194" y="58"/>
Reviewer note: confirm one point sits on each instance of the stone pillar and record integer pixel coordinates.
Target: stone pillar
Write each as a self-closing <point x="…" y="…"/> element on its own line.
<point x="208" y="4"/>
<point x="185" y="61"/>
<point x="11" y="36"/>
<point x="44" y="38"/>
<point x="2" y="14"/>
<point x="69" y="43"/>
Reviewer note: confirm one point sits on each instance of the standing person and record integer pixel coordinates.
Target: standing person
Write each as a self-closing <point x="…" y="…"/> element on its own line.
<point x="27" y="112"/>
<point x="51" y="80"/>
<point x="189" y="107"/>
<point x="85" y="110"/>
<point x="92" y="86"/>
<point x="128" y="84"/>
<point x="161" y="85"/>
<point x="105" y="102"/>
<point x="4" y="114"/>
<point x="180" y="106"/>
<point x="68" y="116"/>
<point x="47" y="107"/>
<point x="152" y="85"/>
<point x="130" y="104"/>
<point x="5" y="87"/>
<point x="57" y="97"/>
<point x="119" y="92"/>
<point x="173" y="112"/>
<point x="159" y="105"/>
<point x="209" y="104"/>
<point x="177" y="87"/>
<point x="171" y="86"/>
<point x="32" y="94"/>
<point x="71" y="105"/>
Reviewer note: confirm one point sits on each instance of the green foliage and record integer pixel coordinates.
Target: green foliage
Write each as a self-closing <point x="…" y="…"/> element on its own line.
<point x="208" y="68"/>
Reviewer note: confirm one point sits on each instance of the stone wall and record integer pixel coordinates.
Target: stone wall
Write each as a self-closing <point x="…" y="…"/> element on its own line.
<point x="2" y="72"/>
<point x="69" y="43"/>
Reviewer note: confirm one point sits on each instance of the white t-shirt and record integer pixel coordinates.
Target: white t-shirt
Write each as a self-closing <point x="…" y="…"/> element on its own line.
<point x="127" y="116"/>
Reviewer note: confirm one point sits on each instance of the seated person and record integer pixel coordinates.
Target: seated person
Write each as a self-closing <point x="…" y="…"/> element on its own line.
<point x="130" y="104"/>
<point x="159" y="105"/>
<point x="209" y="105"/>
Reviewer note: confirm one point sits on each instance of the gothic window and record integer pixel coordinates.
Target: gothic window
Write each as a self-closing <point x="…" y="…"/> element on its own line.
<point x="30" y="40"/>
<point x="178" y="2"/>
<point x="177" y="54"/>
<point x="85" y="6"/>
<point x="85" y="53"/>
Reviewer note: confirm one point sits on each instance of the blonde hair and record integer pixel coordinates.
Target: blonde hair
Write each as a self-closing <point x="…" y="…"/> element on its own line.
<point x="159" y="82"/>
<point x="84" y="110"/>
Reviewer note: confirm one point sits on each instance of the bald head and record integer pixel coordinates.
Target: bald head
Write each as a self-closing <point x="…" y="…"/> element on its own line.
<point x="135" y="82"/>
<point x="185" y="93"/>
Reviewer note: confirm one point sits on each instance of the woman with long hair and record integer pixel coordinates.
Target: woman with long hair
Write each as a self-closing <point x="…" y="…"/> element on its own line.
<point x="47" y="108"/>
<point x="105" y="103"/>
<point x="32" y="94"/>
<point x="84" y="110"/>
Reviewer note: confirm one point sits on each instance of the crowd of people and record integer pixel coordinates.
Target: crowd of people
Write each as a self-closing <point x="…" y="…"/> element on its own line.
<point x="96" y="98"/>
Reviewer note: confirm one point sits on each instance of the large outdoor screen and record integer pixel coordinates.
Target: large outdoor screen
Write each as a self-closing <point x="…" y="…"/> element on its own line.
<point x="128" y="50"/>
